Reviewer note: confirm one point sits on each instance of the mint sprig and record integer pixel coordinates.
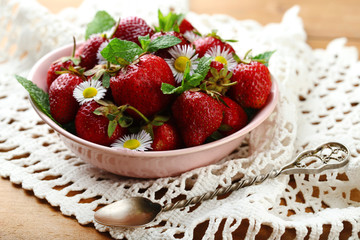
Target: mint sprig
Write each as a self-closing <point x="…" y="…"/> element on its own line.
<point x="102" y="22"/>
<point x="39" y="97"/>
<point x="189" y="81"/>
<point x="122" y="52"/>
<point x="170" y="22"/>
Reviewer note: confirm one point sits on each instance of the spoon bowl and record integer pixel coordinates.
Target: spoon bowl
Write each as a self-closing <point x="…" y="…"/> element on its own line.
<point x="130" y="212"/>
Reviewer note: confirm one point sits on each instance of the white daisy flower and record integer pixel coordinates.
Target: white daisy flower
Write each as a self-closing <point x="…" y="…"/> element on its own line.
<point x="99" y="57"/>
<point x="223" y="56"/>
<point x="191" y="36"/>
<point x="139" y="142"/>
<point x="181" y="55"/>
<point x="88" y="91"/>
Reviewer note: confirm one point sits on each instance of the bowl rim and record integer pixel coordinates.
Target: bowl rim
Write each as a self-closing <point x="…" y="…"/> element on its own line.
<point x="256" y="121"/>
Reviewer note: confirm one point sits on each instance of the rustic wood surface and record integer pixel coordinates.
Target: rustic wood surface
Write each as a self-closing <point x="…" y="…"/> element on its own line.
<point x="24" y="216"/>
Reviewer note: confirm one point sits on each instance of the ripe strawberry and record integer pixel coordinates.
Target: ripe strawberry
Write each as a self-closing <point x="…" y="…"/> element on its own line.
<point x="139" y="85"/>
<point x="166" y="137"/>
<point x="63" y="106"/>
<point x="94" y="128"/>
<point x="163" y="53"/>
<point x="130" y="28"/>
<point x="197" y="116"/>
<point x="202" y="45"/>
<point x="88" y="52"/>
<point x="234" y="117"/>
<point x="185" y="26"/>
<point x="253" y="84"/>
<point x="56" y="67"/>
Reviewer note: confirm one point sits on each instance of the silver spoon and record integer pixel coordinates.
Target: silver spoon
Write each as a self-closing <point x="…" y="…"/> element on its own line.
<point x="138" y="211"/>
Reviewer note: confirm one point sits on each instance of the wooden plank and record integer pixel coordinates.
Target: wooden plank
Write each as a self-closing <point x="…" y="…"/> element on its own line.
<point x="23" y="216"/>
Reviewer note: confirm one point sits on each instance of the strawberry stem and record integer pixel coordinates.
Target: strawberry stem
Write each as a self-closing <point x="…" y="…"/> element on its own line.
<point x="137" y="112"/>
<point x="74" y="47"/>
<point x="116" y="27"/>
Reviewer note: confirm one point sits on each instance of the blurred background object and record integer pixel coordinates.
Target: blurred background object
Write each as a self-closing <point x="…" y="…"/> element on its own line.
<point x="323" y="20"/>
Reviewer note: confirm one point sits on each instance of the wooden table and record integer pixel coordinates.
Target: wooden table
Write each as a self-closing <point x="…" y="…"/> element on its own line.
<point x="23" y="216"/>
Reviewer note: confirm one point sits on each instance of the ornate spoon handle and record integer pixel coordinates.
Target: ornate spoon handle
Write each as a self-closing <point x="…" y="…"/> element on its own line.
<point x="331" y="155"/>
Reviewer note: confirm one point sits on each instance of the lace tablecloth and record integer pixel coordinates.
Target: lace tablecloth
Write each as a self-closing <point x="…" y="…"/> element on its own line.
<point x="319" y="102"/>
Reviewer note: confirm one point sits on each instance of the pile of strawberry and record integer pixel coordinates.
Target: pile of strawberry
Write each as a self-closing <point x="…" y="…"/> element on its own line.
<point x="180" y="87"/>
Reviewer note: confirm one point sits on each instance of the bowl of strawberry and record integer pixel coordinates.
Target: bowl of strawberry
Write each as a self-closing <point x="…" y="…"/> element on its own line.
<point x="151" y="101"/>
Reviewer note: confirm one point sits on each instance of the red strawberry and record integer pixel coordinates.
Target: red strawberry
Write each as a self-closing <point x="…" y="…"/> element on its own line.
<point x="130" y="28"/>
<point x="197" y="116"/>
<point x="166" y="137"/>
<point x="185" y="26"/>
<point x="88" y="52"/>
<point x="202" y="45"/>
<point x="63" y="106"/>
<point x="253" y="84"/>
<point x="164" y="52"/>
<point x="234" y="117"/>
<point x="56" y="67"/>
<point x="139" y="85"/>
<point x="94" y="128"/>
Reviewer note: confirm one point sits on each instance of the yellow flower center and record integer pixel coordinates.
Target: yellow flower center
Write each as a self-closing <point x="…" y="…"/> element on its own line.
<point x="90" y="92"/>
<point x="132" y="144"/>
<point x="180" y="63"/>
<point x="221" y="59"/>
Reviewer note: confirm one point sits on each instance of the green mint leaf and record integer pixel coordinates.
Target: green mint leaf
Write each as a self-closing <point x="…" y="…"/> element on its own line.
<point x="168" y="88"/>
<point x="195" y="80"/>
<point x="101" y="22"/>
<point x="189" y="81"/>
<point x="144" y="42"/>
<point x="163" y="42"/>
<point x="118" y="50"/>
<point x="203" y="67"/>
<point x="263" y="57"/>
<point x="169" y="22"/>
<point x="39" y="97"/>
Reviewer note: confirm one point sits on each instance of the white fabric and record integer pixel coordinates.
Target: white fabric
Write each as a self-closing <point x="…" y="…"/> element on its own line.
<point x="319" y="102"/>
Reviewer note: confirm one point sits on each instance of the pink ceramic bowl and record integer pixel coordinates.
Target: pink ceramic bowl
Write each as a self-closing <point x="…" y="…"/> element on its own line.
<point x="145" y="164"/>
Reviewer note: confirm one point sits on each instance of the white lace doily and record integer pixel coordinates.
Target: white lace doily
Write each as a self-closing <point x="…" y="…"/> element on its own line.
<point x="319" y="102"/>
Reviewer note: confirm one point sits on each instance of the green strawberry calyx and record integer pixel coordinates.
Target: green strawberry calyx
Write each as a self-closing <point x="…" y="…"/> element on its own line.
<point x="103" y="72"/>
<point x="115" y="115"/>
<point x="76" y="70"/>
<point x="219" y="81"/>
